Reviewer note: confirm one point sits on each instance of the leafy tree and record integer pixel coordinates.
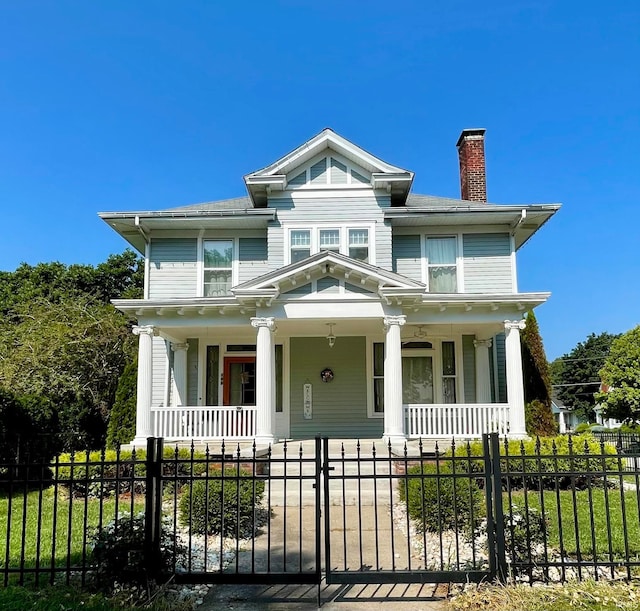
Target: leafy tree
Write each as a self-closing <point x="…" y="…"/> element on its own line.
<point x="72" y="353"/>
<point x="120" y="275"/>
<point x="621" y="373"/>
<point x="537" y="381"/>
<point x="579" y="375"/>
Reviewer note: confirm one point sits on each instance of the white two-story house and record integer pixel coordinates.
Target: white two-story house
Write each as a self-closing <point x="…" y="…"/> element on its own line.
<point x="331" y="300"/>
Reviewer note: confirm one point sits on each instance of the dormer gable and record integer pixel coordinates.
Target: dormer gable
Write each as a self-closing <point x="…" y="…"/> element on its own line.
<point x="329" y="171"/>
<point x="327" y="159"/>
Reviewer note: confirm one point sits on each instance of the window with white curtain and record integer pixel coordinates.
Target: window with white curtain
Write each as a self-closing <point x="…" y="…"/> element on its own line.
<point x="218" y="259"/>
<point x="442" y="256"/>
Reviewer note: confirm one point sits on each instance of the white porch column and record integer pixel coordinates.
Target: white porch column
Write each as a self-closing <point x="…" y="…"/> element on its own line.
<point x="393" y="412"/>
<point x="515" y="385"/>
<point x="265" y="379"/>
<point x="562" y="423"/>
<point x="483" y="371"/>
<point x="179" y="373"/>
<point x="145" y="383"/>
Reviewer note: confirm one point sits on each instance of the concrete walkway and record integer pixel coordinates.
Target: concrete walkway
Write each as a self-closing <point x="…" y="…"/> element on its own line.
<point x="364" y="536"/>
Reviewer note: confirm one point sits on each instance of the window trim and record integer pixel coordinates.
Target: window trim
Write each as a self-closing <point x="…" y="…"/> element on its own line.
<point x="343" y="228"/>
<point x="235" y="242"/>
<point x="458" y="264"/>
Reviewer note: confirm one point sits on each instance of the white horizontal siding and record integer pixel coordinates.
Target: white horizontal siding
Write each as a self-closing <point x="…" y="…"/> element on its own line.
<point x="487" y="263"/>
<point x="351" y="210"/>
<point x="173" y="268"/>
<point x="159" y="356"/>
<point x="406" y="256"/>
<point x="252" y="258"/>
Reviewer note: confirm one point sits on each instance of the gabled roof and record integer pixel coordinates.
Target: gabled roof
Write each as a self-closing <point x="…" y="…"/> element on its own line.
<point x="326" y="263"/>
<point x="274" y="177"/>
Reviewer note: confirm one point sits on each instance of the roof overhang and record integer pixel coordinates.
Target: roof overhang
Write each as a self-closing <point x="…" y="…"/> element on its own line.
<point x="521" y="221"/>
<point x="135" y="227"/>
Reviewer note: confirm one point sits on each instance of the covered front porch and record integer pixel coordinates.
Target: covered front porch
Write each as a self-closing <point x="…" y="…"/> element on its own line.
<point x="391" y="376"/>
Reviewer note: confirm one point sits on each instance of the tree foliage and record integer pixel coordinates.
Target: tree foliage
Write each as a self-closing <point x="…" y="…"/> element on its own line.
<point x="122" y="421"/>
<point x="63" y="342"/>
<point x="621" y="373"/>
<point x="578" y="376"/>
<point x="537" y="381"/>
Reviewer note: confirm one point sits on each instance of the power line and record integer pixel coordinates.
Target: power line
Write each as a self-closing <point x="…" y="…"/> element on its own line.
<point x="576" y="384"/>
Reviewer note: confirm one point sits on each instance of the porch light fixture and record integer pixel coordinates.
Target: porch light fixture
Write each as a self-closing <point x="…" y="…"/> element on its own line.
<point x="331" y="338"/>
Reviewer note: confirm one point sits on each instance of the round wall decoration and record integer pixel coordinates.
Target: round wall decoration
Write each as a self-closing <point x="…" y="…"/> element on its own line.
<point x="326" y="375"/>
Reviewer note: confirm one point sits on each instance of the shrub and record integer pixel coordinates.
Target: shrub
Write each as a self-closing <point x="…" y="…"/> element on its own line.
<point x="437" y="500"/>
<point x="541" y="462"/>
<point x="122" y="420"/>
<point x="109" y="471"/>
<point x="118" y="548"/>
<point x="222" y="503"/>
<point x="524" y="535"/>
<point x="583" y="427"/>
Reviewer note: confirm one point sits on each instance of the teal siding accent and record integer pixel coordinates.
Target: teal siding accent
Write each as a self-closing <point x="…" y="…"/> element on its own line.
<point x="172" y="268"/>
<point x="328" y="285"/>
<point x="487" y="263"/>
<point x="406" y="256"/>
<point x="298" y="180"/>
<point x="355" y="288"/>
<point x="305" y="289"/>
<point x="192" y="372"/>
<point x="340" y="406"/>
<point x="159" y="368"/>
<point x="469" y="368"/>
<point x="252" y="258"/>
<point x="501" y="368"/>
<point x="318" y="172"/>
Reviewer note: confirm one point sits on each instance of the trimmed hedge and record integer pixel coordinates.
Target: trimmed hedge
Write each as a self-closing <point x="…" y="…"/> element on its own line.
<point x="100" y="473"/>
<point x="549" y="456"/>
<point x="222" y="504"/>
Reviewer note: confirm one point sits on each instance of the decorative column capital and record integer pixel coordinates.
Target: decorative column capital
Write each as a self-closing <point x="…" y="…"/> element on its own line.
<point x="179" y="346"/>
<point x="483" y="343"/>
<point x="144" y="330"/>
<point x="268" y="322"/>
<point x="510" y="325"/>
<point x="394" y="320"/>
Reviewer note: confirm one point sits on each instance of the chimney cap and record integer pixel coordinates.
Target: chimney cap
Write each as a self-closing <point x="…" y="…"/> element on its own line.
<point x="473" y="132"/>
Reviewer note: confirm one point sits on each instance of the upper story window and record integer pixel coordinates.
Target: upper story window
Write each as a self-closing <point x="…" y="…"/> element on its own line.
<point x="218" y="261"/>
<point x="328" y="171"/>
<point x="353" y="242"/>
<point x="442" y="266"/>
<point x="359" y="244"/>
<point x="300" y="244"/>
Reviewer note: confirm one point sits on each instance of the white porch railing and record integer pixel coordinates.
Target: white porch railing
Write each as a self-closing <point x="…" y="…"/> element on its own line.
<point x="449" y="420"/>
<point x="185" y="422"/>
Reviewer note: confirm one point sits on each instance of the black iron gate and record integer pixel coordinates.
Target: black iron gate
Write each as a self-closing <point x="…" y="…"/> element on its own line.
<point x="400" y="517"/>
<point x="379" y="515"/>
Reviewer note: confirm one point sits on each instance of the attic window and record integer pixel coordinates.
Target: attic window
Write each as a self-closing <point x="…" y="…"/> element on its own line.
<point x="329" y="171"/>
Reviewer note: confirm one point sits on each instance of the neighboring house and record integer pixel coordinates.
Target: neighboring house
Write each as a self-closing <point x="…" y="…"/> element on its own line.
<point x="565" y="417"/>
<point x="332" y="300"/>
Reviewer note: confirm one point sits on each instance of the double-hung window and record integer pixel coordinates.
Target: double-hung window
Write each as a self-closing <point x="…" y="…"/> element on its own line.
<point x="300" y="244"/>
<point x="353" y="242"/>
<point x="359" y="244"/>
<point x="218" y="260"/>
<point x="330" y="240"/>
<point x="442" y="254"/>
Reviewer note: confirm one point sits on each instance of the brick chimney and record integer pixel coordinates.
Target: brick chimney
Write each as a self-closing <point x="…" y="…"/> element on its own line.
<point x="473" y="179"/>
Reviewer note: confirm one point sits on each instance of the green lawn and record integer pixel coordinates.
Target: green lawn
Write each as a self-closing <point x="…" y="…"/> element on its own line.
<point x="74" y="522"/>
<point x="590" y="509"/>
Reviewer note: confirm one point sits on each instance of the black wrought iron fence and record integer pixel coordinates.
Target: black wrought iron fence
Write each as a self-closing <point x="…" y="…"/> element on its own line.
<point x="547" y="510"/>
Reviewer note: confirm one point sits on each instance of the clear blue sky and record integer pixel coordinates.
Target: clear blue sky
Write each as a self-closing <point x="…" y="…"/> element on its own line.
<point x="119" y="105"/>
